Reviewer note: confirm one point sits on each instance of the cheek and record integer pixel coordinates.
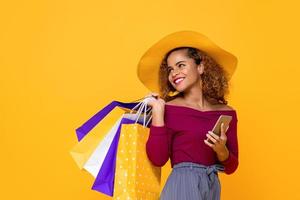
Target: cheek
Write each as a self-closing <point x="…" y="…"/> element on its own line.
<point x="192" y="73"/>
<point x="192" y="77"/>
<point x="169" y="79"/>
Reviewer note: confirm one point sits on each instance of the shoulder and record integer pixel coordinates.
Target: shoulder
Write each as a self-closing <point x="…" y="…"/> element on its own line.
<point x="173" y="102"/>
<point x="227" y="109"/>
<point x="223" y="107"/>
<point x="230" y="110"/>
<point x="217" y="107"/>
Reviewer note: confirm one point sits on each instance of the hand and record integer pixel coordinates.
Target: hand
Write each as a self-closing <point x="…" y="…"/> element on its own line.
<point x="219" y="142"/>
<point x="158" y="109"/>
<point x="157" y="103"/>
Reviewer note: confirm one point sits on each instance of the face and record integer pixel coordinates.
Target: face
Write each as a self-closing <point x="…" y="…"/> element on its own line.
<point x="183" y="71"/>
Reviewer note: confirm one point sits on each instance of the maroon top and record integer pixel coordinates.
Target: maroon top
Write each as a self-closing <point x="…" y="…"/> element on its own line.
<point x="182" y="138"/>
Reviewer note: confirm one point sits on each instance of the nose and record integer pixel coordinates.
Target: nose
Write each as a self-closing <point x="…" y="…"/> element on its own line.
<point x="175" y="72"/>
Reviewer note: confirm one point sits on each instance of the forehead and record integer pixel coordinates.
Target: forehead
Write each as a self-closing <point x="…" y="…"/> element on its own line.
<point x="176" y="56"/>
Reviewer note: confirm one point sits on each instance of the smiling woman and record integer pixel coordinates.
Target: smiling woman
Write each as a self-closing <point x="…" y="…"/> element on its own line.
<point x="197" y="71"/>
<point x="186" y="59"/>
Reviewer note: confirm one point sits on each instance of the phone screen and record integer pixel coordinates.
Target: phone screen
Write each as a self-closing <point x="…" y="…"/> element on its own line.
<point x="217" y="128"/>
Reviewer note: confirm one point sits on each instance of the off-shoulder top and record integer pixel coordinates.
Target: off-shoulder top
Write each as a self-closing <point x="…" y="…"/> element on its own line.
<point x="182" y="138"/>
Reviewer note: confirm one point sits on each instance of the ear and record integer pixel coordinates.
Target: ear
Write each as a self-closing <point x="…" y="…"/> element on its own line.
<point x="200" y="68"/>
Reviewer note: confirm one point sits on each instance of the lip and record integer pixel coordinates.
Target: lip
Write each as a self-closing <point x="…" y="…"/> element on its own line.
<point x="174" y="80"/>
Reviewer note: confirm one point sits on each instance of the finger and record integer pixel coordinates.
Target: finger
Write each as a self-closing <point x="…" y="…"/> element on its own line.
<point x="149" y="100"/>
<point x="214" y="135"/>
<point x="208" y="144"/>
<point x="223" y="129"/>
<point x="211" y="138"/>
<point x="154" y="95"/>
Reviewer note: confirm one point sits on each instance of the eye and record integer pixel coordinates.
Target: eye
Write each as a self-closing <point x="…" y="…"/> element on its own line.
<point x="181" y="65"/>
<point x="169" y="69"/>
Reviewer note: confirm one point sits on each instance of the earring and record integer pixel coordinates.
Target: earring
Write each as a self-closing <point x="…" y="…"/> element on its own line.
<point x="172" y="94"/>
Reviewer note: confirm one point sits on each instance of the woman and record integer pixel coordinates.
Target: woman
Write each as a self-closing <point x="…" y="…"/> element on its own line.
<point x="193" y="81"/>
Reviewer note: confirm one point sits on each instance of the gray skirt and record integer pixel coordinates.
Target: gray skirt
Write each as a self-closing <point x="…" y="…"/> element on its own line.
<point x="191" y="181"/>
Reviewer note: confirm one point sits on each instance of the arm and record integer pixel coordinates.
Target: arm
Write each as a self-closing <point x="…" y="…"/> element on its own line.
<point x="158" y="144"/>
<point x="232" y="162"/>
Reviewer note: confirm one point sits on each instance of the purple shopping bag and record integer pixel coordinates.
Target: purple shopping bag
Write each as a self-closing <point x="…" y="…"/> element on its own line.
<point x="104" y="182"/>
<point x="83" y="130"/>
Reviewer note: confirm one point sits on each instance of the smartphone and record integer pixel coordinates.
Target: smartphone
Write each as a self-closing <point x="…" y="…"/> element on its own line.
<point x="217" y="128"/>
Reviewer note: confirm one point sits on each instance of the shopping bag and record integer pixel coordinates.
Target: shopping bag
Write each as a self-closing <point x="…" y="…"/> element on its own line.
<point x="135" y="176"/>
<point x="104" y="182"/>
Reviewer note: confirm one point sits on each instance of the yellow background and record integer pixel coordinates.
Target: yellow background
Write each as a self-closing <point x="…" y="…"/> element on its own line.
<point x="61" y="61"/>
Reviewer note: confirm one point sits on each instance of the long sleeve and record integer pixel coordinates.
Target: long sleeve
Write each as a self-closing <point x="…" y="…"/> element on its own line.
<point x="158" y="146"/>
<point x="232" y="162"/>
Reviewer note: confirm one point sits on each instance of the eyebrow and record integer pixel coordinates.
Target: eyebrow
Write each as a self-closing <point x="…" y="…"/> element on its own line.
<point x="178" y="62"/>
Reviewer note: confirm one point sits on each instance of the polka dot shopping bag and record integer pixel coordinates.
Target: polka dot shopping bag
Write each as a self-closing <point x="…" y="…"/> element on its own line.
<point x="135" y="176"/>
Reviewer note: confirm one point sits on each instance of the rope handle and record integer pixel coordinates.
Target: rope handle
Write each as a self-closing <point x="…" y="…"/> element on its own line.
<point x="143" y="109"/>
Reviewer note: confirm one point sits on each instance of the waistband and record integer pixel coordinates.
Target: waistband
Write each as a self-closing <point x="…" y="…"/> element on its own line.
<point x="208" y="169"/>
<point x="211" y="171"/>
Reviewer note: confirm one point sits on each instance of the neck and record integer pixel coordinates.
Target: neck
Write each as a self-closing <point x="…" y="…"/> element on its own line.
<point x="194" y="96"/>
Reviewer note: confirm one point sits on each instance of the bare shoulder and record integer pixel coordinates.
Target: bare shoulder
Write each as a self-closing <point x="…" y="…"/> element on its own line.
<point x="174" y="102"/>
<point x="179" y="102"/>
<point x="223" y="107"/>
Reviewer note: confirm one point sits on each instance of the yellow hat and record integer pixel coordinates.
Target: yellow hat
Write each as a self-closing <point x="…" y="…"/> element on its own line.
<point x="148" y="66"/>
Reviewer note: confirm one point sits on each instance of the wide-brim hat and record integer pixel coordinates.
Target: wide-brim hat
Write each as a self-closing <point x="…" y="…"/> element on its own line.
<point x="149" y="64"/>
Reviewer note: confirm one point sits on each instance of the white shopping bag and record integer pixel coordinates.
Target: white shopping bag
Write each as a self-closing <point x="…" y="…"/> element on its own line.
<point x="95" y="161"/>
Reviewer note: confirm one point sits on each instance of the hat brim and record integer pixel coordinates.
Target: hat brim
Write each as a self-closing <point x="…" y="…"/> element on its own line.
<point x="148" y="66"/>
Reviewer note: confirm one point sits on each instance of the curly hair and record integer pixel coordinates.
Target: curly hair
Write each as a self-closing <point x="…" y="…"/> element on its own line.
<point x="214" y="78"/>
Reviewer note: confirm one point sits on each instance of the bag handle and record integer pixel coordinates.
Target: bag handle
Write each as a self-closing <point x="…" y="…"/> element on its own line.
<point x="143" y="109"/>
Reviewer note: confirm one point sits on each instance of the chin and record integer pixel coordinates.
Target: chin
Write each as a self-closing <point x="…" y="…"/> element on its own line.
<point x="180" y="89"/>
<point x="184" y="88"/>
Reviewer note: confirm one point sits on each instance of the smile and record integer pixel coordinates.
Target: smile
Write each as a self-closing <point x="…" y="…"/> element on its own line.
<point x="178" y="80"/>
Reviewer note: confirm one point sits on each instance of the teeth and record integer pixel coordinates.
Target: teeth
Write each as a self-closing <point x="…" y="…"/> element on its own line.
<point x="178" y="80"/>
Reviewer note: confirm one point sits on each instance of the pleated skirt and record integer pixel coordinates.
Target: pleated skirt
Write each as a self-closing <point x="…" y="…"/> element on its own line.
<point x="191" y="181"/>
